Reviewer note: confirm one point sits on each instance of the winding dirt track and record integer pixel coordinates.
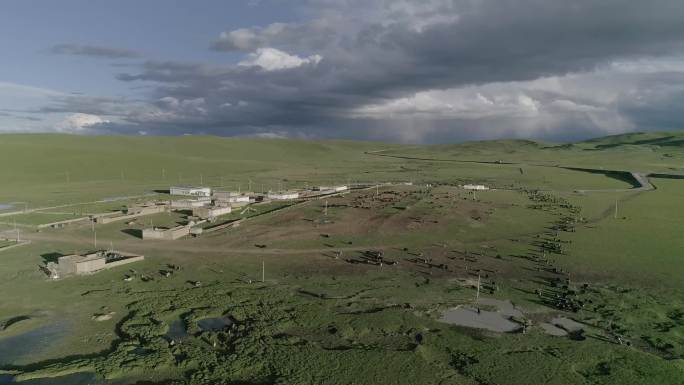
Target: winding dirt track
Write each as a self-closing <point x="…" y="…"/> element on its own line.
<point x="641" y="178"/>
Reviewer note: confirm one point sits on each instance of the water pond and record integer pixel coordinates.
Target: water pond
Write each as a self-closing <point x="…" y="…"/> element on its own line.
<point x="470" y="317"/>
<point x="553" y="330"/>
<point x="6" y="206"/>
<point x="498" y="320"/>
<point x="84" y="378"/>
<point x="71" y="379"/>
<point x="567" y="324"/>
<point x="176" y="330"/>
<point x="214" y="324"/>
<point x="20" y="348"/>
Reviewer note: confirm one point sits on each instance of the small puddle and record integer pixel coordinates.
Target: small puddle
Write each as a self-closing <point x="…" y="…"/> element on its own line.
<point x="20" y="348"/>
<point x="71" y="379"/>
<point x="83" y="378"/>
<point x="504" y="307"/>
<point x="567" y="324"/>
<point x="6" y="206"/>
<point x="497" y="321"/>
<point x="176" y="330"/>
<point x="469" y="317"/>
<point x="214" y="324"/>
<point x="553" y="330"/>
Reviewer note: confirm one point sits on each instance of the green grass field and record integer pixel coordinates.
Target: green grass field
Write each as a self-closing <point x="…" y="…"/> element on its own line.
<point x="325" y="315"/>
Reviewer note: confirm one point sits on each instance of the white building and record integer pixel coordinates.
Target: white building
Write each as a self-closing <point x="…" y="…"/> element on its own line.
<point x="230" y="197"/>
<point x="475" y="187"/>
<point x="331" y="188"/>
<point x="211" y="212"/>
<point x="190" y="191"/>
<point x="283" y="196"/>
<point x="166" y="234"/>
<point x="190" y="203"/>
<point x="90" y="263"/>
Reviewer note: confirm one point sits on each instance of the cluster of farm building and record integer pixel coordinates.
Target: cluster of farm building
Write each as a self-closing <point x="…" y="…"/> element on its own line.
<point x="207" y="205"/>
<point x="204" y="204"/>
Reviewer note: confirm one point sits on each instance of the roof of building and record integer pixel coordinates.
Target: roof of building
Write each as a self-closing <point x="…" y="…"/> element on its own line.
<point x="192" y="187"/>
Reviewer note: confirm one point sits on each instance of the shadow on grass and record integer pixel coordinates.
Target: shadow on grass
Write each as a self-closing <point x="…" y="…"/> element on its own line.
<point x="137" y="233"/>
<point x="51" y="257"/>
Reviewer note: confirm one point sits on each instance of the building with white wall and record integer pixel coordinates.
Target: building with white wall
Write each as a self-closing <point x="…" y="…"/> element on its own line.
<point x="190" y="191"/>
<point x="283" y="196"/>
<point x="210" y="212"/>
<point x="331" y="188"/>
<point x="166" y="234"/>
<point x="77" y="264"/>
<point x="230" y="197"/>
<point x="190" y="203"/>
<point x="475" y="187"/>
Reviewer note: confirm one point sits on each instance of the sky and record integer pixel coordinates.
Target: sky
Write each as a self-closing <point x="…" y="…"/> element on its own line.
<point x="409" y="71"/>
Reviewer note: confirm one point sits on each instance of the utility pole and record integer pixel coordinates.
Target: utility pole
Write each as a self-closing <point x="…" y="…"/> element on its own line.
<point x="249" y="184"/>
<point x="163" y="173"/>
<point x="263" y="271"/>
<point x="95" y="240"/>
<point x="16" y="229"/>
<point x="477" y="296"/>
<point x="325" y="212"/>
<point x="616" y="209"/>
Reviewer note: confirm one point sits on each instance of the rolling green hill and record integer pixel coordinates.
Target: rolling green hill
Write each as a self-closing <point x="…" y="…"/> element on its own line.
<point x="45" y="169"/>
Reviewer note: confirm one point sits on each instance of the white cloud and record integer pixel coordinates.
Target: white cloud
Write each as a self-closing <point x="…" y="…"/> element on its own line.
<point x="79" y="122"/>
<point x="248" y="38"/>
<point x="271" y="59"/>
<point x="459" y="103"/>
<point x="270" y="135"/>
<point x="596" y="101"/>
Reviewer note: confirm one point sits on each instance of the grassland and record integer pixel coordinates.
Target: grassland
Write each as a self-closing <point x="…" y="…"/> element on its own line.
<point x="326" y="315"/>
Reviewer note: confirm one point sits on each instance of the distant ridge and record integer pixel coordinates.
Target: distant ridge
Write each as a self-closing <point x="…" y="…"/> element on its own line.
<point x="663" y="138"/>
<point x="660" y="139"/>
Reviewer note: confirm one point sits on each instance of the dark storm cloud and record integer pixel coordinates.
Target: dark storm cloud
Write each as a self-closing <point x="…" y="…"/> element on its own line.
<point x="375" y="52"/>
<point x="93" y="51"/>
